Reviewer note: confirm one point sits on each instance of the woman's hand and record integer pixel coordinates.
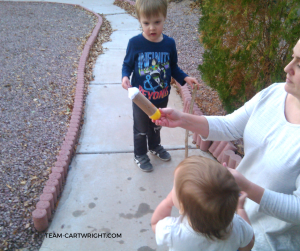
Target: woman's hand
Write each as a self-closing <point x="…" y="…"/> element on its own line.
<point x="240" y="179"/>
<point x="174" y="118"/>
<point x="254" y="191"/>
<point x="169" y="118"/>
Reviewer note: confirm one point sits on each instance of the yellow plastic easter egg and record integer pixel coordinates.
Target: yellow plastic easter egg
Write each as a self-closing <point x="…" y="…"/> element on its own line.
<point x="156" y="115"/>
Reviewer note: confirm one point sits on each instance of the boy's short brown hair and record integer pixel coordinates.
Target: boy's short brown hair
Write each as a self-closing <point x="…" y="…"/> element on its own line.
<point x="150" y="8"/>
<point x="208" y="194"/>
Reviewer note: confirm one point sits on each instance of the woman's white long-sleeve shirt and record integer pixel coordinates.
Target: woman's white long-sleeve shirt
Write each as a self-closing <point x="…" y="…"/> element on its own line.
<point x="272" y="161"/>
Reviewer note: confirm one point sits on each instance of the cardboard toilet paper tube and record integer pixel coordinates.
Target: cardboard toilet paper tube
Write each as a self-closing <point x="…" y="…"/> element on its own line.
<point x="142" y="102"/>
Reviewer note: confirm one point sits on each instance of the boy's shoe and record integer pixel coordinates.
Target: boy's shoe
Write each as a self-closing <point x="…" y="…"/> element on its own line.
<point x="143" y="162"/>
<point x="161" y="153"/>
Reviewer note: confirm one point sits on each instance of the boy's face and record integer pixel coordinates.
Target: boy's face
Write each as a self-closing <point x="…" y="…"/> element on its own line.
<point x="153" y="27"/>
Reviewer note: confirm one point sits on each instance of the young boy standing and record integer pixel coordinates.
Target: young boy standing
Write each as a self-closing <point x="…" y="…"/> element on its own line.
<point x="151" y="58"/>
<point x="207" y="197"/>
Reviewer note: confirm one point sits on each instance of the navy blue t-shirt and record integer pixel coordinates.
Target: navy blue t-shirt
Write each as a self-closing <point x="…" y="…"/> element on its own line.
<point x="153" y="65"/>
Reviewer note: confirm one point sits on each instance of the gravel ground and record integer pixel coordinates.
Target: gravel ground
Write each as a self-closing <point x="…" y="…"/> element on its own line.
<point x="41" y="44"/>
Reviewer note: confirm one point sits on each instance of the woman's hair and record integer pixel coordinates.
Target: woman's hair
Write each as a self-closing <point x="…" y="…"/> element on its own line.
<point x="150" y="8"/>
<point x="208" y="195"/>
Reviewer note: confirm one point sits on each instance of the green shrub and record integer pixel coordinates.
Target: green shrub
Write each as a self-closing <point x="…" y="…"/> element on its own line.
<point x="247" y="45"/>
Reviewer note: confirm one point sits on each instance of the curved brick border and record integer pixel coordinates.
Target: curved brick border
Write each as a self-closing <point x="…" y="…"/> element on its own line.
<point x="53" y="188"/>
<point x="223" y="151"/>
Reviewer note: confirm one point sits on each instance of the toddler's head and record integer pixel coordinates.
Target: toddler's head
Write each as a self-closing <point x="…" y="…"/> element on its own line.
<point x="151" y="8"/>
<point x="207" y="195"/>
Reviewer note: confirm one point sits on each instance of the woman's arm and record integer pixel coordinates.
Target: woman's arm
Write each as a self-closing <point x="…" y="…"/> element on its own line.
<point x="174" y="118"/>
<point x="282" y="206"/>
<point x="253" y="191"/>
<point x="285" y="207"/>
<point x="229" y="127"/>
<point x="218" y="128"/>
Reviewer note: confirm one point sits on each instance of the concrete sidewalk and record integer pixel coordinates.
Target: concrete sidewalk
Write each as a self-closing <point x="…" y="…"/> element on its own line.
<point x="105" y="192"/>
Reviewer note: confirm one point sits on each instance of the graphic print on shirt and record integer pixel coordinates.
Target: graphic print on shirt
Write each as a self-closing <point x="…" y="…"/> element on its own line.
<point x="153" y="66"/>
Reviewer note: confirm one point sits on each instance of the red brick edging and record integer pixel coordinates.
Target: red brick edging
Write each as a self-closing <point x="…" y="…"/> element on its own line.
<point x="53" y="188"/>
<point x="223" y="151"/>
